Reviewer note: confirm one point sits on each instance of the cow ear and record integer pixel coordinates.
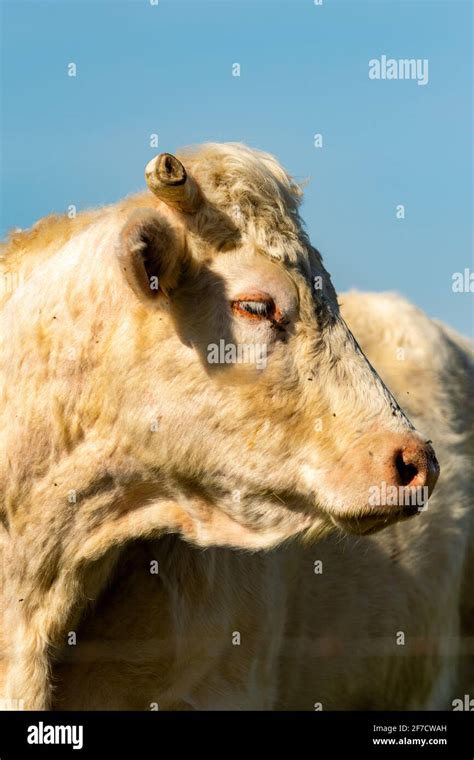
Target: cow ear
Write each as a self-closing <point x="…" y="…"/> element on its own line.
<point x="150" y="254"/>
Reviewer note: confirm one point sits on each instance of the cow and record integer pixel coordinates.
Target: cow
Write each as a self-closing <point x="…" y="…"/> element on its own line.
<point x="183" y="396"/>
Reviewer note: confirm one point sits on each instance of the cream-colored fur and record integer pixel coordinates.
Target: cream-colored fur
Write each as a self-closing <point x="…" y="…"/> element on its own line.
<point x="330" y="638"/>
<point x="119" y="432"/>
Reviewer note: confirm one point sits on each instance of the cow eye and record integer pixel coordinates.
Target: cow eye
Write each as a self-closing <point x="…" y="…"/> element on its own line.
<point x="257" y="309"/>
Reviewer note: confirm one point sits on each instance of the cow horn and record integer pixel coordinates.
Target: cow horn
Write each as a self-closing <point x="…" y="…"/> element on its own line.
<point x="167" y="179"/>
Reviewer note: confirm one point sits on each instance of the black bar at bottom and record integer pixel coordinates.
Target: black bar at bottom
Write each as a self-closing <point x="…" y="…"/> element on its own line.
<point x="151" y="734"/>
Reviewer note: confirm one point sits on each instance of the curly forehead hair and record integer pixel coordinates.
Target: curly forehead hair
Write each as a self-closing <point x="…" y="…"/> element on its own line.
<point x="253" y="189"/>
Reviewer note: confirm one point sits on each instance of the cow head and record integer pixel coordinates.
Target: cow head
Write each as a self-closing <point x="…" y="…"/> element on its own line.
<point x="265" y="405"/>
<point x="215" y="384"/>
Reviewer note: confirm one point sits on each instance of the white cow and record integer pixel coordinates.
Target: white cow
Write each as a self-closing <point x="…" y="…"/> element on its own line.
<point x="177" y="367"/>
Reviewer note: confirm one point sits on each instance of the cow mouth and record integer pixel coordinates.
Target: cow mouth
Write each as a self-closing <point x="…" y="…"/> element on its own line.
<point x="370" y="522"/>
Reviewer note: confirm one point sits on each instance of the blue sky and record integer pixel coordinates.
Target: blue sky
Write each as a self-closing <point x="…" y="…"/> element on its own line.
<point x="167" y="69"/>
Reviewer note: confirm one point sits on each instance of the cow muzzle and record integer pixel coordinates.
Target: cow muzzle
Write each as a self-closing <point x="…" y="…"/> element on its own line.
<point x="388" y="478"/>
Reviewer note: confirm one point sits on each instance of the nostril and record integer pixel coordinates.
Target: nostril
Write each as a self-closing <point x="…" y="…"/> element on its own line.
<point x="407" y="471"/>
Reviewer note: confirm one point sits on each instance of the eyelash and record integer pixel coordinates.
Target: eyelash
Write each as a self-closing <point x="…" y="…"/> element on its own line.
<point x="257" y="309"/>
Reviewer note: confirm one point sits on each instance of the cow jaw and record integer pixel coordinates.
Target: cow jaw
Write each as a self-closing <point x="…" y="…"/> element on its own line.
<point x="214" y="527"/>
<point x="367" y="524"/>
